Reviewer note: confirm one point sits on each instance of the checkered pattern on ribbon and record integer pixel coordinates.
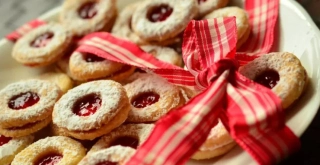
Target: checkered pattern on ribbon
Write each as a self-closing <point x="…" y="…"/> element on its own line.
<point x="26" y="28"/>
<point x="251" y="113"/>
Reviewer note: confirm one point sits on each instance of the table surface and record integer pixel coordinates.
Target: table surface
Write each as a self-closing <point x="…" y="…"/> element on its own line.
<point x="16" y="12"/>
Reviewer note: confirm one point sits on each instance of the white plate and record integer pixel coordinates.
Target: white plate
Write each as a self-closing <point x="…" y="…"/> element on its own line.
<point x="296" y="33"/>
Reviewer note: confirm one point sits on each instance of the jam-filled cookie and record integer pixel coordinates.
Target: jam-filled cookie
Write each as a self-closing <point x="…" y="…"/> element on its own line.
<point x="91" y="110"/>
<point x="160" y="20"/>
<point x="86" y="16"/>
<point x="62" y="80"/>
<point x="26" y="106"/>
<point x="151" y="97"/>
<point x="165" y="54"/>
<point x="129" y="135"/>
<point x="116" y="155"/>
<point x="242" y="21"/>
<point x="87" y="66"/>
<point x="282" y="72"/>
<point x="10" y="147"/>
<point x="42" y="46"/>
<point x="123" y="29"/>
<point x="56" y="150"/>
<point x="217" y="143"/>
<point x="207" y="6"/>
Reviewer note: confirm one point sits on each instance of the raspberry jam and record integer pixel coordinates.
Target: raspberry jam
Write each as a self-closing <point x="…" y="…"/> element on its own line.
<point x="23" y="100"/>
<point x="4" y="140"/>
<point x="145" y="99"/>
<point x="92" y="58"/>
<point x="87" y="10"/>
<point x="42" y="40"/>
<point x="201" y="1"/>
<point x="87" y="105"/>
<point x="126" y="141"/>
<point x="51" y="159"/>
<point x="108" y="163"/>
<point x="160" y="13"/>
<point x="269" y="78"/>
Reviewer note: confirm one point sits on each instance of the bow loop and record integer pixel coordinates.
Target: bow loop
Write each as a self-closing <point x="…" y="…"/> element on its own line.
<point x="208" y="75"/>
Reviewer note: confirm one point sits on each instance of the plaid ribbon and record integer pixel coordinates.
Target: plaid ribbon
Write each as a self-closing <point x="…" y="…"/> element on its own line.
<point x="26" y="28"/>
<point x="251" y="113"/>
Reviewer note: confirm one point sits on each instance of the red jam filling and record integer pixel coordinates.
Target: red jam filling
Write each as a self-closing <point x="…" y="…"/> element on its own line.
<point x="87" y="10"/>
<point x="160" y="13"/>
<point x="108" y="163"/>
<point x="42" y="40"/>
<point x="4" y="140"/>
<point x="126" y="141"/>
<point x="87" y="105"/>
<point x="201" y="1"/>
<point x="269" y="78"/>
<point x="51" y="159"/>
<point x="92" y="58"/>
<point x="145" y="99"/>
<point x="23" y="100"/>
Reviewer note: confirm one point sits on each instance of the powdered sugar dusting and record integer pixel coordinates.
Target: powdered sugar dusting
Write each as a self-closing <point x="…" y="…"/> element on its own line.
<point x="114" y="154"/>
<point x="169" y="97"/>
<point x="211" y="5"/>
<point x="48" y="92"/>
<point x="291" y="72"/>
<point x="139" y="131"/>
<point x="183" y="12"/>
<point x="165" y="54"/>
<point x="110" y="93"/>
<point x="14" y="146"/>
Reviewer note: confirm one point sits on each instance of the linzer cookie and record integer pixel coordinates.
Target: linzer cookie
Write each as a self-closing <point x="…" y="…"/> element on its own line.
<point x="42" y="46"/>
<point x="85" y="16"/>
<point x="242" y="21"/>
<point x="129" y="135"/>
<point x="207" y="6"/>
<point x="160" y="20"/>
<point x="26" y="106"/>
<point x="151" y="97"/>
<point x="10" y="147"/>
<point x="282" y="72"/>
<point x="51" y="150"/>
<point x="165" y="54"/>
<point x="123" y="29"/>
<point x="116" y="155"/>
<point x="91" y="110"/>
<point x="217" y="143"/>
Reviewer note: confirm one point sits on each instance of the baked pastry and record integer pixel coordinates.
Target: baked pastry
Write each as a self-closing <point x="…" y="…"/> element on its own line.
<point x="165" y="54"/>
<point x="10" y="147"/>
<point x="151" y="97"/>
<point x="91" y="110"/>
<point x="42" y="46"/>
<point x="116" y="155"/>
<point x="123" y="29"/>
<point x="62" y="80"/>
<point x="160" y="20"/>
<point x="242" y="21"/>
<point x="87" y="66"/>
<point x="26" y="106"/>
<point x="207" y="6"/>
<point x="217" y="143"/>
<point x="56" y="150"/>
<point x="86" y="16"/>
<point x="282" y="72"/>
<point x="129" y="135"/>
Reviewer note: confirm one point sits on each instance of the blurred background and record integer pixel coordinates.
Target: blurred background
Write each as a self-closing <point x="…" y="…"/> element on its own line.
<point x="14" y="13"/>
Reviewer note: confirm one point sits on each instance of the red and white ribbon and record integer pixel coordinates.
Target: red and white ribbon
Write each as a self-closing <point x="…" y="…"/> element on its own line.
<point x="26" y="28"/>
<point x="252" y="113"/>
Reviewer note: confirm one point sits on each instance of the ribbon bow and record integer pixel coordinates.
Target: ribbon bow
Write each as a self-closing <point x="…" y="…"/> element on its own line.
<point x="252" y="113"/>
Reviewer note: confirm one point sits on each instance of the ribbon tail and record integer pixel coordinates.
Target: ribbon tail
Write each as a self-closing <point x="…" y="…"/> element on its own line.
<point x="180" y="133"/>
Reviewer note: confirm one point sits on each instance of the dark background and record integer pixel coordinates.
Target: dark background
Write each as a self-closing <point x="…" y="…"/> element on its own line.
<point x="13" y="13"/>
